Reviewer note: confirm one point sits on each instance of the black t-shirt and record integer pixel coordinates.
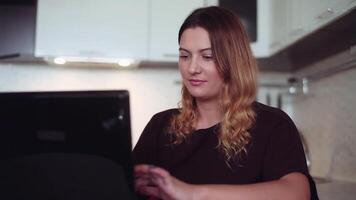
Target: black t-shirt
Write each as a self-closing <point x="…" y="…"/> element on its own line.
<point x="275" y="150"/>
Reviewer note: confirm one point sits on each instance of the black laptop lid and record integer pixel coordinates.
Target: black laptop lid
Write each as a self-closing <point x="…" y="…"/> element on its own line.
<point x="58" y="135"/>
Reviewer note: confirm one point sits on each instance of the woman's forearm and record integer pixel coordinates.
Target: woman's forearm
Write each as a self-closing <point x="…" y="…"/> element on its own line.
<point x="293" y="186"/>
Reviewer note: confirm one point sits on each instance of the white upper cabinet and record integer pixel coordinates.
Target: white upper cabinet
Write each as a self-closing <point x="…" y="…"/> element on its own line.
<point x="136" y="29"/>
<point x="166" y="19"/>
<point x="281" y="22"/>
<point x="271" y="27"/>
<point x="307" y="16"/>
<point x="92" y="28"/>
<point x="313" y="13"/>
<point x="261" y="47"/>
<point x="320" y="12"/>
<point x="148" y="29"/>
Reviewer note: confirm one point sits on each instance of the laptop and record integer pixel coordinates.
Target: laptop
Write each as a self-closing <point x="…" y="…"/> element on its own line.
<point x="65" y="145"/>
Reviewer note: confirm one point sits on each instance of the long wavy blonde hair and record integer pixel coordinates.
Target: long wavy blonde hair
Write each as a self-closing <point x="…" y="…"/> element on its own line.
<point x="237" y="66"/>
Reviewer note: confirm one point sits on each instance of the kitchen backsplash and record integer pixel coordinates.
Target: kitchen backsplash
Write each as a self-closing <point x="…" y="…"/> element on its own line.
<point x="327" y="118"/>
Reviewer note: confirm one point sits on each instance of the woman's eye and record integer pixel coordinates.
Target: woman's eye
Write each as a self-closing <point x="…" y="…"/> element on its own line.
<point x="183" y="56"/>
<point x="208" y="57"/>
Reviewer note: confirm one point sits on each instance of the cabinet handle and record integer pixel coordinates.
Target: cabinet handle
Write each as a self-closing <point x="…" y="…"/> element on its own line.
<point x="326" y="13"/>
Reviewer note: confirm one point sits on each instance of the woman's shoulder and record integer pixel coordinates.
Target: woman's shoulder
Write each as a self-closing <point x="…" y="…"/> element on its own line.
<point x="163" y="118"/>
<point x="270" y="115"/>
<point x="166" y="114"/>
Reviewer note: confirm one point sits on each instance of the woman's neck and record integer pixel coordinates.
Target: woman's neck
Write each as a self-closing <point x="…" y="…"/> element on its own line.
<point x="209" y="114"/>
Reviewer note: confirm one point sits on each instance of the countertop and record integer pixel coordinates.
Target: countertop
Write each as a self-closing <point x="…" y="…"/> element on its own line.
<point x="336" y="190"/>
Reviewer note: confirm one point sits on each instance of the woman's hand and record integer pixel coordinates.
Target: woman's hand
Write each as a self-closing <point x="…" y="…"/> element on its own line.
<point x="157" y="182"/>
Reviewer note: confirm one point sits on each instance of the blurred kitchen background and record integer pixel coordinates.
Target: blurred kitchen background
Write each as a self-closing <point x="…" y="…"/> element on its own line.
<point x="306" y="51"/>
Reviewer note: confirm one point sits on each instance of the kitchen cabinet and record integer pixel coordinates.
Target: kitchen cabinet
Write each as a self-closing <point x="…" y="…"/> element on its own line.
<point x="281" y="23"/>
<point x="306" y="16"/>
<point x="261" y="47"/>
<point x="316" y="13"/>
<point x="147" y="29"/>
<point x="166" y="19"/>
<point x="135" y="29"/>
<point x="278" y="24"/>
<point x="92" y="28"/>
<point x="272" y="27"/>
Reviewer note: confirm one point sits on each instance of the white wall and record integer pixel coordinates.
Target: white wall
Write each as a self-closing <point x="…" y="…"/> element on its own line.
<point x="151" y="90"/>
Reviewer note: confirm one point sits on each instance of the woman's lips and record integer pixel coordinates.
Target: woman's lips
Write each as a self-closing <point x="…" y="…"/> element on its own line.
<point x="196" y="82"/>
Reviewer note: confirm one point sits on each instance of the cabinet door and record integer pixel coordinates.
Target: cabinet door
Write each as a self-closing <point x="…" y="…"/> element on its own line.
<point x="296" y="19"/>
<point x="92" y="28"/>
<point x="307" y="16"/>
<point x="282" y="23"/>
<point x="279" y="24"/>
<point x="166" y="19"/>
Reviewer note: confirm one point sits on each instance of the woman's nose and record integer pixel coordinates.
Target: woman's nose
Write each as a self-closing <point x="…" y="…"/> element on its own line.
<point x="194" y="66"/>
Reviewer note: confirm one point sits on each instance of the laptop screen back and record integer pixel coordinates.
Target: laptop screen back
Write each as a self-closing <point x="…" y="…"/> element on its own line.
<point x="59" y="131"/>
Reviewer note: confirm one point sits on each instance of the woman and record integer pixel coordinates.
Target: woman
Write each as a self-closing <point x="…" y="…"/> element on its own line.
<point x="220" y="144"/>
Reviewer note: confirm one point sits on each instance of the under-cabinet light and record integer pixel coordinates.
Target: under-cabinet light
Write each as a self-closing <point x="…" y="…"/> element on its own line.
<point x="117" y="61"/>
<point x="59" y="61"/>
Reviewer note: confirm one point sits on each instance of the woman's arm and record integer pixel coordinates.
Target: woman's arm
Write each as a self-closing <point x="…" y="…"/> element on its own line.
<point x="293" y="186"/>
<point x="157" y="182"/>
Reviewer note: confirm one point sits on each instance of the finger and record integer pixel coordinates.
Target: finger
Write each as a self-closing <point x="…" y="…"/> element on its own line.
<point x="142" y="171"/>
<point x="159" y="181"/>
<point x="157" y="171"/>
<point x="144" y="182"/>
<point x="142" y="175"/>
<point x="141" y="182"/>
<point x="160" y="177"/>
<point x="149" y="191"/>
<point x="151" y="170"/>
<point x="142" y="168"/>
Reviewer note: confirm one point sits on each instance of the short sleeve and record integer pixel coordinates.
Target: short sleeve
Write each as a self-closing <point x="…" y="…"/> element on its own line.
<point x="145" y="151"/>
<point x="284" y="152"/>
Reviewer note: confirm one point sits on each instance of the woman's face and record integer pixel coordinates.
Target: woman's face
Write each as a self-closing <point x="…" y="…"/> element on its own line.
<point x="197" y="65"/>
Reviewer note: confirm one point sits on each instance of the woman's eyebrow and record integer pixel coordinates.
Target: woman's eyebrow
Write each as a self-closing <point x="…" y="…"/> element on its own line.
<point x="201" y="50"/>
<point x="182" y="49"/>
<point x="205" y="49"/>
